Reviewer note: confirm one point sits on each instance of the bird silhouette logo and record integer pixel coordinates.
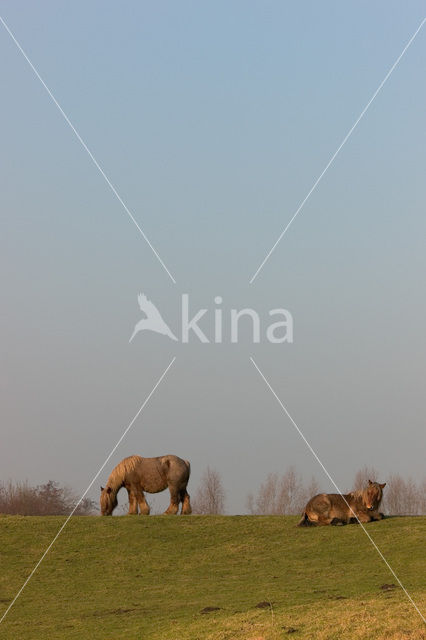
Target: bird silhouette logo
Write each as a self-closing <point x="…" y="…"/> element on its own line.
<point x="153" y="320"/>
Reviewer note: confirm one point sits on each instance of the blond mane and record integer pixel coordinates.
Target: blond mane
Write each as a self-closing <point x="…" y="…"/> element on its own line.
<point x="362" y="494"/>
<point x="358" y="494"/>
<point x="119" y="472"/>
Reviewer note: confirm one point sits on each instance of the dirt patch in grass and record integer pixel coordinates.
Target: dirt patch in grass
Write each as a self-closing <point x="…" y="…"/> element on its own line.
<point x="209" y="609"/>
<point x="118" y="612"/>
<point x="112" y="612"/>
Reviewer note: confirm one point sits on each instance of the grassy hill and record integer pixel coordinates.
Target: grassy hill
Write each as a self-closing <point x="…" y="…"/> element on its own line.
<point x="189" y="578"/>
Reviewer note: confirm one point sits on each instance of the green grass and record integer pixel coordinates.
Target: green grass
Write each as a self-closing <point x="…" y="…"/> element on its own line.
<point x="150" y="578"/>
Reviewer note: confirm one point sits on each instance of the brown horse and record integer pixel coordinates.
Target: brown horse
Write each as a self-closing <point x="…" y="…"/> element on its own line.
<point x="335" y="508"/>
<point x="138" y="474"/>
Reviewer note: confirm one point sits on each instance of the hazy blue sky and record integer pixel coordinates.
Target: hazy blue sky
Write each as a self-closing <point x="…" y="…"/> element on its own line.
<point x="213" y="121"/>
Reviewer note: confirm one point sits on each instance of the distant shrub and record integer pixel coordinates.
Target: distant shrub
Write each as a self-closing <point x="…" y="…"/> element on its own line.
<point x="50" y="499"/>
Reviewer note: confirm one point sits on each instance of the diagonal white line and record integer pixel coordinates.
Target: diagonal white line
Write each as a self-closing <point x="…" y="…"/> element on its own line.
<point x="145" y="402"/>
<point x="337" y="488"/>
<point x="90" y="154"/>
<point x="330" y="162"/>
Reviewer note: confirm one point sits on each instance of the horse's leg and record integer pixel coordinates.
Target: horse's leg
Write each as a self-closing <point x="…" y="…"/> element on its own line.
<point x="322" y="517"/>
<point x="326" y="520"/>
<point x="364" y="517"/>
<point x="133" y="503"/>
<point x="173" y="507"/>
<point x="186" y="503"/>
<point x="320" y="512"/>
<point x="329" y="516"/>
<point x="143" y="505"/>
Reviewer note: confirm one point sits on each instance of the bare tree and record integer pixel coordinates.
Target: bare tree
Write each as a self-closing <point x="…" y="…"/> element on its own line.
<point x="43" y="500"/>
<point x="312" y="490"/>
<point x="265" y="501"/>
<point x="251" y="508"/>
<point x="404" y="497"/>
<point x="422" y="497"/>
<point x="210" y="495"/>
<point x="363" y="476"/>
<point x="17" y="498"/>
<point x="280" y="495"/>
<point x="303" y="495"/>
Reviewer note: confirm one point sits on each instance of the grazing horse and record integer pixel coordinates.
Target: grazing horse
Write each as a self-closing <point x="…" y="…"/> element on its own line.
<point x="138" y="474"/>
<point x="335" y="508"/>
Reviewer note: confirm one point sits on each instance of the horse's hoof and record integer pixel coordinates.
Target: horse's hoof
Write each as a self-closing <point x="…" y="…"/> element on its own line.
<point x="336" y="522"/>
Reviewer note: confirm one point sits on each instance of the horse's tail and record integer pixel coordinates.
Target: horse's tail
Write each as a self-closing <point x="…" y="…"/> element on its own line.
<point x="305" y="522"/>
<point x="188" y="464"/>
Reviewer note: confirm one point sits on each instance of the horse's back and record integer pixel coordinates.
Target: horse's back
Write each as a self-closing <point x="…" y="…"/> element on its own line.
<point x="319" y="502"/>
<point x="155" y="474"/>
<point x="326" y="507"/>
<point x="176" y="467"/>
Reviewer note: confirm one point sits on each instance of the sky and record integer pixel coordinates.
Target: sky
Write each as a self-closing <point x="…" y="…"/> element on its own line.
<point x="212" y="121"/>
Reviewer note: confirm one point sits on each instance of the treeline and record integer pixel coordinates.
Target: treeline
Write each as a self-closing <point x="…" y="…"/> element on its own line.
<point x="288" y="493"/>
<point x="50" y="499"/>
<point x="279" y="494"/>
<point x="284" y="494"/>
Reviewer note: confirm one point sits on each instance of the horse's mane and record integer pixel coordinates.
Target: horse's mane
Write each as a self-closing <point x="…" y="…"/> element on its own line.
<point x="119" y="472"/>
<point x="356" y="495"/>
<point x="360" y="494"/>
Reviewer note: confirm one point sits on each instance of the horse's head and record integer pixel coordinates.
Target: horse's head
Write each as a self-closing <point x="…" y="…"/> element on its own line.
<point x="108" y="501"/>
<point x="373" y="495"/>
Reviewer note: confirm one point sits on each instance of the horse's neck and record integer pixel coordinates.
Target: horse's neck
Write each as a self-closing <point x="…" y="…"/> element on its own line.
<point x="115" y="483"/>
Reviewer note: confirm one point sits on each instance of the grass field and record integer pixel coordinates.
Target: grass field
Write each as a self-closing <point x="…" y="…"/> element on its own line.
<point x="152" y="577"/>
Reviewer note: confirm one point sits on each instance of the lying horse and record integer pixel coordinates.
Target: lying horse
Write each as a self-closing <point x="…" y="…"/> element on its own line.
<point x="335" y="508"/>
<point x="138" y="474"/>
